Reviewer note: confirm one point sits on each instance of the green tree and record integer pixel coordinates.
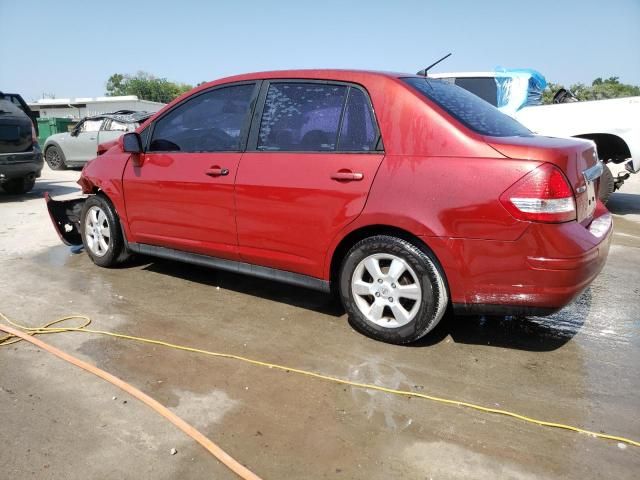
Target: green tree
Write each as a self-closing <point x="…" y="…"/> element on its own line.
<point x="600" y="89"/>
<point x="145" y="86"/>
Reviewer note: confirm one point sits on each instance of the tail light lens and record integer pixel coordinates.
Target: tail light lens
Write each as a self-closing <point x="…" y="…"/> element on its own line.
<point x="543" y="195"/>
<point x="34" y="136"/>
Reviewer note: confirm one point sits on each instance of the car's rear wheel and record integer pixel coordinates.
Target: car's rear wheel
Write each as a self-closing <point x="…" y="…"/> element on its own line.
<point x="101" y="232"/>
<point x="17" y="186"/>
<point x="392" y="290"/>
<point x="55" y="158"/>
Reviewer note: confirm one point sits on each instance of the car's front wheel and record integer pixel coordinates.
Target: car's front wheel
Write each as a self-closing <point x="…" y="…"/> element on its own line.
<point x="101" y="232"/>
<point x="55" y="158"/>
<point x="392" y="290"/>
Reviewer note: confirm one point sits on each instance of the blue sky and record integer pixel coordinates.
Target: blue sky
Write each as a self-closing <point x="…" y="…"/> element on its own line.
<point x="70" y="48"/>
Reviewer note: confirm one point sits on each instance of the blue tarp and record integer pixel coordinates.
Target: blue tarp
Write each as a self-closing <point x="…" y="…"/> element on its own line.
<point x="518" y="87"/>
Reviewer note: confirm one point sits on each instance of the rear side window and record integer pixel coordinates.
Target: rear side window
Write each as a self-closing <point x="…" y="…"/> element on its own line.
<point x="115" y="125"/>
<point x="472" y="111"/>
<point x="91" y="125"/>
<point x="358" y="133"/>
<point x="210" y="122"/>
<point x="301" y="117"/>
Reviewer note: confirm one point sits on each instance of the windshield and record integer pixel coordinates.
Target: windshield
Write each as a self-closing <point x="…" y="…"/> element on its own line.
<point x="475" y="113"/>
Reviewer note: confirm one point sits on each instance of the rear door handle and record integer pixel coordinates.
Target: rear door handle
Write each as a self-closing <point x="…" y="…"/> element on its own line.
<point x="347" y="176"/>
<point x="217" y="172"/>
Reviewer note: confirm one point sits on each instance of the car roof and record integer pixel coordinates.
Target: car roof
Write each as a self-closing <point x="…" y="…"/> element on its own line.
<point x="329" y="74"/>
<point x="124" y="116"/>
<point x="319" y="73"/>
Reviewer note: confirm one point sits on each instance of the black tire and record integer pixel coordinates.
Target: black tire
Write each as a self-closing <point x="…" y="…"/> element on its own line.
<point x="115" y="252"/>
<point x="55" y="158"/>
<point x="607" y="185"/>
<point x="18" y="186"/>
<point x="430" y="281"/>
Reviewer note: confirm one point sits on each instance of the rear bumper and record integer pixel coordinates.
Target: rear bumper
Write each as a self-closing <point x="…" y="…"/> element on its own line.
<point x="19" y="165"/>
<point x="541" y="272"/>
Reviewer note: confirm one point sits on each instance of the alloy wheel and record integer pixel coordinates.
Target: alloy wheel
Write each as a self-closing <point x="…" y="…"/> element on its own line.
<point x="386" y="290"/>
<point x="97" y="231"/>
<point x="53" y="158"/>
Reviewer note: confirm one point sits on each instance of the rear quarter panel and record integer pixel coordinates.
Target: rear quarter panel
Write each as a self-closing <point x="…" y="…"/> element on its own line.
<point x="447" y="196"/>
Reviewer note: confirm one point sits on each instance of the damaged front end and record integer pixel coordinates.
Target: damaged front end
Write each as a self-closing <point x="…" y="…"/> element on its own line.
<point x="65" y="215"/>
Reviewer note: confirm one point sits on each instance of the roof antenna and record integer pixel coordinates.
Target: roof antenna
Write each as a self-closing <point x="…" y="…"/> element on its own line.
<point x="426" y="70"/>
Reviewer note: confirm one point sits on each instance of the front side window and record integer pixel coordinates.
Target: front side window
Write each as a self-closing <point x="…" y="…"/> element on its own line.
<point x="209" y="122"/>
<point x="475" y="113"/>
<point x="91" y="125"/>
<point x="301" y="117"/>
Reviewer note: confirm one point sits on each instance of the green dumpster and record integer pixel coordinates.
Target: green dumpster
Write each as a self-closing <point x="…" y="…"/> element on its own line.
<point x="51" y="126"/>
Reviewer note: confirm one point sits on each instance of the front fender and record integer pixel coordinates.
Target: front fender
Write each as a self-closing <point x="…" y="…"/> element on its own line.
<point x="57" y="139"/>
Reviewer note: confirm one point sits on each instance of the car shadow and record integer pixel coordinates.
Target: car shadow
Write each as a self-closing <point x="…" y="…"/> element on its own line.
<point x="539" y="334"/>
<point x="535" y="334"/>
<point x="269" y="290"/>
<point x="624" y="203"/>
<point x="53" y="187"/>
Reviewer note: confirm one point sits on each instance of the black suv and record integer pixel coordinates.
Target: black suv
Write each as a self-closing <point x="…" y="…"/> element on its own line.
<point x="20" y="155"/>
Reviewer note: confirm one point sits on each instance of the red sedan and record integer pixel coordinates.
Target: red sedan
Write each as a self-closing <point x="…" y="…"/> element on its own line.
<point x="404" y="193"/>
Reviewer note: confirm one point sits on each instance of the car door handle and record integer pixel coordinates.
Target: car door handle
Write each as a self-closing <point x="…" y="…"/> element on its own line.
<point x="347" y="176"/>
<point x="217" y="172"/>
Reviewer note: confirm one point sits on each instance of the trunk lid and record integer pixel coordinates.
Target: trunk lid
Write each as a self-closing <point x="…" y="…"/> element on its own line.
<point x="577" y="159"/>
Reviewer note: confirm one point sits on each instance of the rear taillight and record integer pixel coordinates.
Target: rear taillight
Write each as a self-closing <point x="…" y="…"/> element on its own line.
<point x="34" y="136"/>
<point x="543" y="195"/>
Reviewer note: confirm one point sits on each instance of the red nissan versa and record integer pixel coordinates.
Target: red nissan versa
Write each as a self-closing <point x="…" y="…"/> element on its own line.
<point x="405" y="193"/>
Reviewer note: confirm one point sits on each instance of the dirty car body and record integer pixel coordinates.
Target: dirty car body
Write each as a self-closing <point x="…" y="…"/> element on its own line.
<point x="403" y="193"/>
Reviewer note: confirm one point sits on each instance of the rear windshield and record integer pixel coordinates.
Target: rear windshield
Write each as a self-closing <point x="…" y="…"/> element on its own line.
<point x="472" y="111"/>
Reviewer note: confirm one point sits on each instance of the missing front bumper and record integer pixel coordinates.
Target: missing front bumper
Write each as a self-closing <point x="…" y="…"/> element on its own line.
<point x="65" y="216"/>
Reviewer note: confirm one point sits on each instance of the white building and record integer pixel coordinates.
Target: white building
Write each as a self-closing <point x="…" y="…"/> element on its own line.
<point x="81" y="107"/>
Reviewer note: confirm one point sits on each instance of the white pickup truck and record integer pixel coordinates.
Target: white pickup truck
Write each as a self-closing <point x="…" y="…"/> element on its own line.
<point x="614" y="125"/>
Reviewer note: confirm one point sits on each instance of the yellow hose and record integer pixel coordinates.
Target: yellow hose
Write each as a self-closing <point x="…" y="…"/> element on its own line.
<point x="48" y="328"/>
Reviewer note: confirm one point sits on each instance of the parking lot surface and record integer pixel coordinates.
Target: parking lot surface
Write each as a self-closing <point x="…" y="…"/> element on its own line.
<point x="579" y="367"/>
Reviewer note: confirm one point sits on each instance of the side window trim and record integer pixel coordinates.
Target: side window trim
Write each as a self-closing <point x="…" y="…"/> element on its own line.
<point x="345" y="105"/>
<point x="252" y="140"/>
<point x="257" y="84"/>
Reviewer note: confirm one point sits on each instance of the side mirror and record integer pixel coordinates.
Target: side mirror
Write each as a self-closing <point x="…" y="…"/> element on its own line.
<point x="74" y="132"/>
<point x="131" y="143"/>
